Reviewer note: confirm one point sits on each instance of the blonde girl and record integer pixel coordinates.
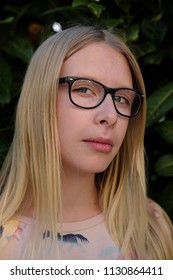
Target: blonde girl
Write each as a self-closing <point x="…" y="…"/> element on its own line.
<point x="79" y="85"/>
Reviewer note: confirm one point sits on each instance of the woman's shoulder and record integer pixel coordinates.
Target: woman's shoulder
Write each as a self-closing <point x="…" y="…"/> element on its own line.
<point x="12" y="234"/>
<point x="154" y="209"/>
<point x="158" y="215"/>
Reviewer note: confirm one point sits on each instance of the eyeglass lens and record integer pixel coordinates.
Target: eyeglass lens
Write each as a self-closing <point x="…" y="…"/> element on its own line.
<point x="89" y="94"/>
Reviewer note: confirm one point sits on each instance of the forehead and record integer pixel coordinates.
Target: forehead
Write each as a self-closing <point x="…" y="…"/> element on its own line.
<point x="99" y="61"/>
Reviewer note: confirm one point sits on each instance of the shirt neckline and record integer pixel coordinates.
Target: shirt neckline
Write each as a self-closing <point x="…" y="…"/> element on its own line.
<point x="69" y="226"/>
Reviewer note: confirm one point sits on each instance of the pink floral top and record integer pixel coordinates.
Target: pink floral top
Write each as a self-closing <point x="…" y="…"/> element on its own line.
<point x="82" y="240"/>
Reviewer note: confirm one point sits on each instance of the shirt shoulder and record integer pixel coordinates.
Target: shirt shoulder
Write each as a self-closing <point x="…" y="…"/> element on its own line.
<point x="11" y="238"/>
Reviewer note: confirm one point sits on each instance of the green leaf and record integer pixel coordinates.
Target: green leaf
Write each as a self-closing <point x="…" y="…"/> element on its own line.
<point x="20" y="48"/>
<point x="7" y="20"/>
<point x="164" y="166"/>
<point x="5" y="81"/>
<point x="156" y="57"/>
<point x="155" y="31"/>
<point x="133" y="32"/>
<point x="124" y="5"/>
<point x="144" y="48"/>
<point x="96" y="8"/>
<point x="65" y="9"/>
<point x="165" y="129"/>
<point x="158" y="16"/>
<point x="159" y="103"/>
<point x="77" y="3"/>
<point x="113" y="22"/>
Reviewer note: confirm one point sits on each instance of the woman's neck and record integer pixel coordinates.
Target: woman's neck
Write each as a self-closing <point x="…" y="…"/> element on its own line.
<point x="80" y="197"/>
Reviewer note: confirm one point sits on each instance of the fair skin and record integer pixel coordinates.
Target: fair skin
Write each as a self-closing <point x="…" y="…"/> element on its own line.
<point x="79" y="129"/>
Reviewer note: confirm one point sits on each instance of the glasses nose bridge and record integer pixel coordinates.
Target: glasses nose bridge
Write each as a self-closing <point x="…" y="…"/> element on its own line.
<point x="110" y="91"/>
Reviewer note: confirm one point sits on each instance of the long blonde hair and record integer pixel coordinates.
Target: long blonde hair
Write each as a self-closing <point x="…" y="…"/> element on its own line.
<point x="31" y="174"/>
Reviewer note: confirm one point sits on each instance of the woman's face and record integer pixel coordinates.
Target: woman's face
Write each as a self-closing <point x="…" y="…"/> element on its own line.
<point x="91" y="138"/>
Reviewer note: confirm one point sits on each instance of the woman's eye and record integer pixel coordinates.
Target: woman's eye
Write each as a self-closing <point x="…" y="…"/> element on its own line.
<point x="122" y="100"/>
<point x="84" y="90"/>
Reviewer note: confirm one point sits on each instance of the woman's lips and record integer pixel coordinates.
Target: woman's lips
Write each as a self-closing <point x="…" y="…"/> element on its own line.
<point x="100" y="144"/>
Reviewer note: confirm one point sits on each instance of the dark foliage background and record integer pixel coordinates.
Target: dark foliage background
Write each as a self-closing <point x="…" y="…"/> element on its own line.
<point x="147" y="26"/>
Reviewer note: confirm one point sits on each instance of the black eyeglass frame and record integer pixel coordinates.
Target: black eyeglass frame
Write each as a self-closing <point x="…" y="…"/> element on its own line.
<point x="107" y="90"/>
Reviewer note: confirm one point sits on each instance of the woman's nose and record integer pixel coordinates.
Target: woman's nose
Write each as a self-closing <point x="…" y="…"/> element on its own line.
<point x="106" y="113"/>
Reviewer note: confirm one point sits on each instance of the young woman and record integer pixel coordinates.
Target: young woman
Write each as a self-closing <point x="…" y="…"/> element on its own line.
<point x="73" y="185"/>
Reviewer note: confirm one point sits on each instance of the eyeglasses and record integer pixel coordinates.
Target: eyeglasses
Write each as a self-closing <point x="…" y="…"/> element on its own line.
<point x="88" y="94"/>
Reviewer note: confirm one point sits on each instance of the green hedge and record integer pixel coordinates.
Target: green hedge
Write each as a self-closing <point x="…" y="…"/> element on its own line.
<point x="147" y="27"/>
